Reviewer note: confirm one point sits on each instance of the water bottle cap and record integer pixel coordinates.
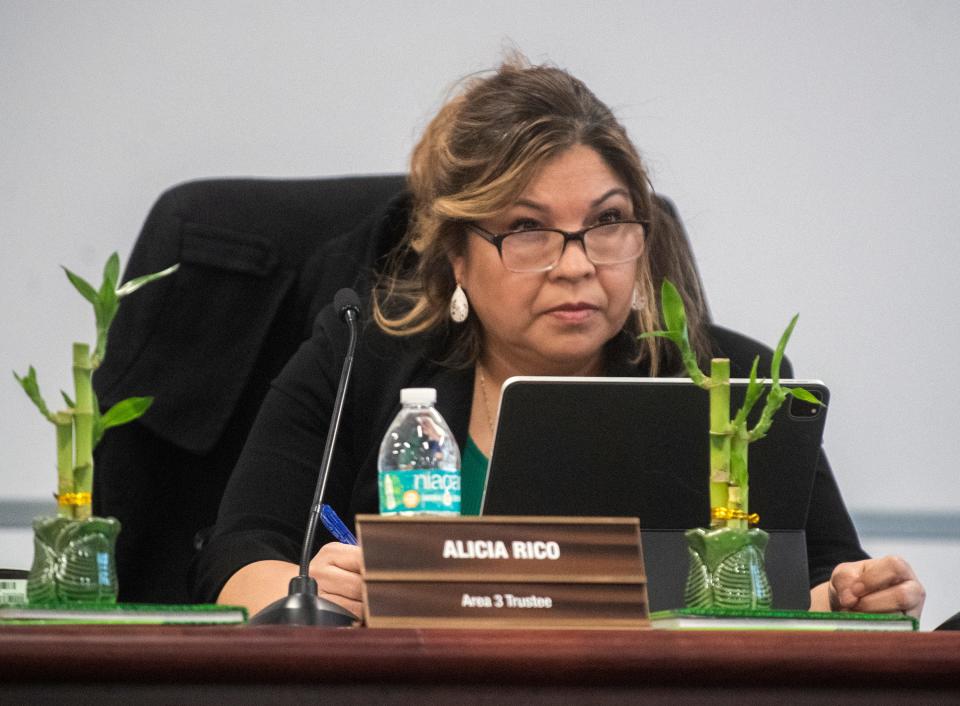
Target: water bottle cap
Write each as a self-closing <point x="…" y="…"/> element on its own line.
<point x="418" y="395"/>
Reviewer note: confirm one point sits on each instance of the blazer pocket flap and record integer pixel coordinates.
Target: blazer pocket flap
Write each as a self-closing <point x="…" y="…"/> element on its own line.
<point x="195" y="354"/>
<point x="226" y="249"/>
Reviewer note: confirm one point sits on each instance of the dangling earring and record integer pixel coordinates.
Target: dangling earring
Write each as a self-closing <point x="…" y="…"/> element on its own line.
<point x="636" y="303"/>
<point x="459" y="306"/>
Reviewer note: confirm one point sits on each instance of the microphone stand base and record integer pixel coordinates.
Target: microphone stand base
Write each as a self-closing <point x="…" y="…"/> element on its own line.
<point x="304" y="607"/>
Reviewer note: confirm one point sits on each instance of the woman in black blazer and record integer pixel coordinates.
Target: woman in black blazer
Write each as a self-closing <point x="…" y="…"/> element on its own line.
<point x="535" y="246"/>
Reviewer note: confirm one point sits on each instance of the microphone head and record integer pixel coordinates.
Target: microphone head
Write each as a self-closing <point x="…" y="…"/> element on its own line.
<point x="346" y="300"/>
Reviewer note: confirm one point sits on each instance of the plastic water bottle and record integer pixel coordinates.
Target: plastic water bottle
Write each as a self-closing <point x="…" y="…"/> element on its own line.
<point x="419" y="465"/>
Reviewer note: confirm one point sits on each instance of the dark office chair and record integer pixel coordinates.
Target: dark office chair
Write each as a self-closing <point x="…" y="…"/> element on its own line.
<point x="258" y="259"/>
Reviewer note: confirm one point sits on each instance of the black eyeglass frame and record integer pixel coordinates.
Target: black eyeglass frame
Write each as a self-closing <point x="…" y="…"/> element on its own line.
<point x="497" y="241"/>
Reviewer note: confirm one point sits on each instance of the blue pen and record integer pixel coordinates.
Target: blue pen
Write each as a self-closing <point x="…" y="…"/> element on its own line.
<point x="335" y="526"/>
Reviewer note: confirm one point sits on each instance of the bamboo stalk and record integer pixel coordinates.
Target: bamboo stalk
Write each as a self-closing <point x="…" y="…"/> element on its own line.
<point x="64" y="426"/>
<point x="739" y="483"/>
<point x="729" y="438"/>
<point x="719" y="391"/>
<point x="83" y="422"/>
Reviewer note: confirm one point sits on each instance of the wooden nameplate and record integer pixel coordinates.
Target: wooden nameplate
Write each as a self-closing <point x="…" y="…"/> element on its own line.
<point x="563" y="572"/>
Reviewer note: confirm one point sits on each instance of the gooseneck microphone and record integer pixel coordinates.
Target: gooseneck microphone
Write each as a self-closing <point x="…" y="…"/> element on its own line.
<point x="303" y="605"/>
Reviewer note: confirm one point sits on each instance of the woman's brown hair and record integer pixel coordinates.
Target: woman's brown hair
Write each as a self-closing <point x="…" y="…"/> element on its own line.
<point x="474" y="160"/>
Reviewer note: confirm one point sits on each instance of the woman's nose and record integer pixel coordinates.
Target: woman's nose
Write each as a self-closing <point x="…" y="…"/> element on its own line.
<point x="573" y="261"/>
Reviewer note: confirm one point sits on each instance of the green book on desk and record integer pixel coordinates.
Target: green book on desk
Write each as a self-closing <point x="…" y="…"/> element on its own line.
<point x="123" y="614"/>
<point x="723" y="619"/>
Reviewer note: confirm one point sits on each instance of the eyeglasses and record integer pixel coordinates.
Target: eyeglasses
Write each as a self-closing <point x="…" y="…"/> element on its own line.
<point x="540" y="250"/>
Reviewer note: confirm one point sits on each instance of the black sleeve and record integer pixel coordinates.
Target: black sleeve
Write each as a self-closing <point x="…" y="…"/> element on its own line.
<point x="264" y="509"/>
<point x="831" y="537"/>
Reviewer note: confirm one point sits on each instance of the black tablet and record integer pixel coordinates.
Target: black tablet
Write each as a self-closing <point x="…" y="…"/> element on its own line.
<point x="638" y="447"/>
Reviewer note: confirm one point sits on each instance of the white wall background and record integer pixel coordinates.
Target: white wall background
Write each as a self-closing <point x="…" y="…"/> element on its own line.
<point x="812" y="148"/>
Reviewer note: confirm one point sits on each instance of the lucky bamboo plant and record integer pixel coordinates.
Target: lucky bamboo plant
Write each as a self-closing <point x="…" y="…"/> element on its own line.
<point x="80" y="426"/>
<point x="729" y="437"/>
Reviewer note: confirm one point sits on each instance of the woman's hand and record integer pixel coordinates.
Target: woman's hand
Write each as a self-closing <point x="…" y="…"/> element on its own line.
<point x="336" y="567"/>
<point x="886" y="585"/>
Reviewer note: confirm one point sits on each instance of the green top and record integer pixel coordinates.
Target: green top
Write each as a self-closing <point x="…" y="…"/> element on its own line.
<point x="473" y="478"/>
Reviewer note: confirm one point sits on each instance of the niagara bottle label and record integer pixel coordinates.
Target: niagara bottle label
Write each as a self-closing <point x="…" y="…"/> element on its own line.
<point x="428" y="491"/>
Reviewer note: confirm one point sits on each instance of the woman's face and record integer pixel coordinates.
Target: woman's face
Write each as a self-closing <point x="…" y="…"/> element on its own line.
<point x="553" y="322"/>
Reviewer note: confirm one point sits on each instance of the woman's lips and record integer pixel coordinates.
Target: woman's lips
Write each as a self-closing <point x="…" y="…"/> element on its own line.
<point x="572" y="313"/>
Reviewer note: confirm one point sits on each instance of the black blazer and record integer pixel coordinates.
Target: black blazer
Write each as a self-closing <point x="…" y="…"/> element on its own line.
<point x="258" y="258"/>
<point x="265" y="507"/>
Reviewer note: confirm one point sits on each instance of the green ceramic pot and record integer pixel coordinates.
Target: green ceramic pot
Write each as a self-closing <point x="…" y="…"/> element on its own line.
<point x="727" y="569"/>
<point x="73" y="560"/>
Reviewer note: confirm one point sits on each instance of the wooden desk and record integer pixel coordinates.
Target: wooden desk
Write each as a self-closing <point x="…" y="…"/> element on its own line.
<point x="146" y="665"/>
